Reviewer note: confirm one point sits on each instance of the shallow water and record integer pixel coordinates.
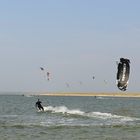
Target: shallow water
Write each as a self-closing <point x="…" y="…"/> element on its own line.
<point x="69" y="118"/>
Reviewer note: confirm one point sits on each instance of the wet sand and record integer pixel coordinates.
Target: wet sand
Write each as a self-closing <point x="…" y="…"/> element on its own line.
<point x="120" y="94"/>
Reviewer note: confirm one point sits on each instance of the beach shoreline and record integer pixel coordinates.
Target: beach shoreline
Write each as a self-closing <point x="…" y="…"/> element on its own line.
<point x="92" y="94"/>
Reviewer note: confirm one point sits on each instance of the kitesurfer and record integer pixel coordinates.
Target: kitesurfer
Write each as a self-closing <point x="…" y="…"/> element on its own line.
<point x="39" y="106"/>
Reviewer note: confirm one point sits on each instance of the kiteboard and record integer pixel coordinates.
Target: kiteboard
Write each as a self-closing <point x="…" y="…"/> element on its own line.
<point x="39" y="110"/>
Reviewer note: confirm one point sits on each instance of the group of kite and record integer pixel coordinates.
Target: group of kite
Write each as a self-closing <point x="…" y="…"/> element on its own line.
<point x="123" y="71"/>
<point x="46" y="73"/>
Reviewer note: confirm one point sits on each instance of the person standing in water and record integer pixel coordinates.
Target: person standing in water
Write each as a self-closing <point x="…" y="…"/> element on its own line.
<point x="39" y="106"/>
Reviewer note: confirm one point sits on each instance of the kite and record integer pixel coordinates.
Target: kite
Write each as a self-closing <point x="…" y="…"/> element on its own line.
<point x="123" y="73"/>
<point x="48" y="76"/>
<point x="67" y="84"/>
<point x="41" y="68"/>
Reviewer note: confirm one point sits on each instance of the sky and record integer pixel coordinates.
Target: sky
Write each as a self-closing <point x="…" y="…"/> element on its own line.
<point x="72" y="39"/>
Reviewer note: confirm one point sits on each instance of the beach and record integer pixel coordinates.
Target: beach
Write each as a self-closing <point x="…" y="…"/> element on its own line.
<point x="119" y="94"/>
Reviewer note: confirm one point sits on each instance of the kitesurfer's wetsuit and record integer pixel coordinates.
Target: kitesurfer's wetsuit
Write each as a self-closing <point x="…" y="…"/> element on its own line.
<point x="38" y="104"/>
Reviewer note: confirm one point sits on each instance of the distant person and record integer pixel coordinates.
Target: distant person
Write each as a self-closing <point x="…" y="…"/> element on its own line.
<point x="39" y="106"/>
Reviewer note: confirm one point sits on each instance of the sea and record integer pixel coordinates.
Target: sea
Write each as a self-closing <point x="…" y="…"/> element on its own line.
<point x="69" y="118"/>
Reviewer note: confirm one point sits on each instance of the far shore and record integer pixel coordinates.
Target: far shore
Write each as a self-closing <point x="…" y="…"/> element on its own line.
<point x="120" y="94"/>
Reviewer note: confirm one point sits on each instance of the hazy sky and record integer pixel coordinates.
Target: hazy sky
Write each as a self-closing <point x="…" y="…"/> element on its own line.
<point x="72" y="39"/>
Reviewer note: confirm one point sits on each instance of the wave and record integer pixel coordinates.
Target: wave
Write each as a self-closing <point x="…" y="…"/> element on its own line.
<point x="98" y="115"/>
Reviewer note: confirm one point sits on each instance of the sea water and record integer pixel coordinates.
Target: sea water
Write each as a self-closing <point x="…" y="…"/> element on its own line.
<point x="69" y="118"/>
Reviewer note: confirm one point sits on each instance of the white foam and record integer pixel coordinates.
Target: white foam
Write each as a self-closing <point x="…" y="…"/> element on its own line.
<point x="98" y="115"/>
<point x="64" y="110"/>
<point x="110" y="116"/>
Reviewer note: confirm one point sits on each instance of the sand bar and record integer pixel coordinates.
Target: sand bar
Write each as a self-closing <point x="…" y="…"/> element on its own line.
<point x="120" y="94"/>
